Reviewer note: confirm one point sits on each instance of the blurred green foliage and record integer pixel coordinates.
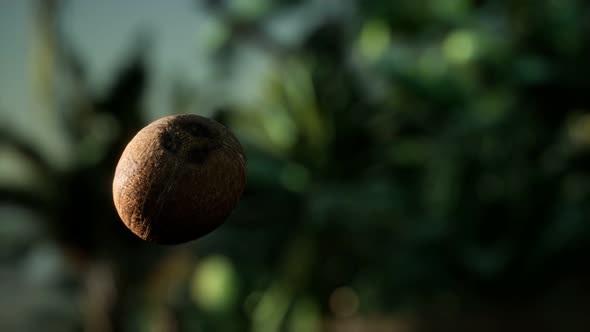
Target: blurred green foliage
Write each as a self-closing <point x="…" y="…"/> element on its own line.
<point x="421" y="154"/>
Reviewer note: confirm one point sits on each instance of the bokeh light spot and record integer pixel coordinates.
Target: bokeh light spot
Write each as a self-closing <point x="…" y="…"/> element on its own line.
<point x="375" y="39"/>
<point x="271" y="309"/>
<point x="449" y="9"/>
<point x="294" y="177"/>
<point x="214" y="284"/>
<point x="460" y="46"/>
<point x="578" y="129"/>
<point x="306" y="316"/>
<point x="344" y="302"/>
<point x="215" y="33"/>
<point x="249" y="8"/>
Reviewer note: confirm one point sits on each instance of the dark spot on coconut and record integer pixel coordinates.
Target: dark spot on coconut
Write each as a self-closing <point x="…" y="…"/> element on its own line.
<point x="197" y="155"/>
<point x="195" y="128"/>
<point x="170" y="141"/>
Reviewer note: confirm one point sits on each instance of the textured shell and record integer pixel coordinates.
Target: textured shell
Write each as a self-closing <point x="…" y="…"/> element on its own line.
<point x="179" y="178"/>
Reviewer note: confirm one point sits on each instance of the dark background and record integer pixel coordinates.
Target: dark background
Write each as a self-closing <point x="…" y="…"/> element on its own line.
<point x="414" y="165"/>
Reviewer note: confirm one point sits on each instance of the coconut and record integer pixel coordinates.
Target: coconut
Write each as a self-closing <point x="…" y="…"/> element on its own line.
<point x="179" y="178"/>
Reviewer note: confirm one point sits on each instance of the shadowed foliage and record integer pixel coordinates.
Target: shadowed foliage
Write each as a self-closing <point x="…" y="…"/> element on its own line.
<point x="412" y="166"/>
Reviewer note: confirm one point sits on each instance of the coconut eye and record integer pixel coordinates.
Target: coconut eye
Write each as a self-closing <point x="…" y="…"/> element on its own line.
<point x="197" y="129"/>
<point x="198" y="154"/>
<point x="170" y="141"/>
